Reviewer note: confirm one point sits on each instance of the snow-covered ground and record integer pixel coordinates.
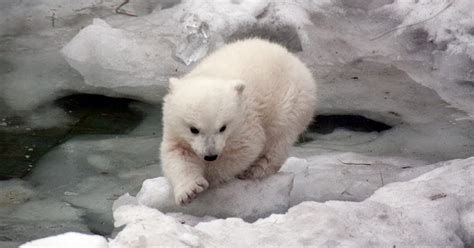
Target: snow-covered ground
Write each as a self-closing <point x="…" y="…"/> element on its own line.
<point x="407" y="64"/>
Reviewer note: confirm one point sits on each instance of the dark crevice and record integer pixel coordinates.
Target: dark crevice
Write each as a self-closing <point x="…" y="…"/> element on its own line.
<point x="21" y="148"/>
<point x="326" y="124"/>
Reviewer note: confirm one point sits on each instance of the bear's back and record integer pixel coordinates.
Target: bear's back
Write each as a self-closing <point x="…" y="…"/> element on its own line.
<point x="272" y="75"/>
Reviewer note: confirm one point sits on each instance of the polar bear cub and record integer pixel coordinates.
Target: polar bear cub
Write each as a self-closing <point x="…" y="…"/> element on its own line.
<point x="236" y="114"/>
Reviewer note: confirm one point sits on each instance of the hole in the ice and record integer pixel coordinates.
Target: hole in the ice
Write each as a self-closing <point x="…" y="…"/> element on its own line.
<point x="326" y="124"/>
<point x="22" y="145"/>
<point x="282" y="34"/>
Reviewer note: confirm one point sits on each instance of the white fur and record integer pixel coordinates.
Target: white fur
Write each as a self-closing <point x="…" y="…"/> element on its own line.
<point x="263" y="95"/>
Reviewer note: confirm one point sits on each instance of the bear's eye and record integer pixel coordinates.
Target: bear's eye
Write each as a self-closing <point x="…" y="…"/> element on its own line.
<point x="222" y="128"/>
<point x="194" y="130"/>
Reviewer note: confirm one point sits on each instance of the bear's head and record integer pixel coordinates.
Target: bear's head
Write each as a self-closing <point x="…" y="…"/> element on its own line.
<point x="204" y="113"/>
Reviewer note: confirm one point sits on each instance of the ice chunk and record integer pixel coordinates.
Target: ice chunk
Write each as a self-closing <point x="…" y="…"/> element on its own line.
<point x="136" y="57"/>
<point x="196" y="44"/>
<point x="248" y="199"/>
<point x="69" y="240"/>
<point x="91" y="53"/>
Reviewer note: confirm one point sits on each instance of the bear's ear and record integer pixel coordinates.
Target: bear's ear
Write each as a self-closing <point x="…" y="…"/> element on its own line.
<point x="239" y="86"/>
<point x="172" y="84"/>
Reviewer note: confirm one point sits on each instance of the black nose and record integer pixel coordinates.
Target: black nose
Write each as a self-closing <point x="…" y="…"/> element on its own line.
<point x="210" y="157"/>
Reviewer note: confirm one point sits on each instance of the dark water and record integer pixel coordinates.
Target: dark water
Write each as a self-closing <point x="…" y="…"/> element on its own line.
<point x="91" y="114"/>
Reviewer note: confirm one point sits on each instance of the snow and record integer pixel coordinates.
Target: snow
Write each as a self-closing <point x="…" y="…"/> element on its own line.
<point x="345" y="176"/>
<point x="451" y="31"/>
<point x="452" y="26"/>
<point x="263" y="198"/>
<point x="395" y="215"/>
<point x="69" y="240"/>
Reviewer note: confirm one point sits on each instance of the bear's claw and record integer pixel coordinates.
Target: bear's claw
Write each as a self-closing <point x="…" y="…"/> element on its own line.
<point x="187" y="192"/>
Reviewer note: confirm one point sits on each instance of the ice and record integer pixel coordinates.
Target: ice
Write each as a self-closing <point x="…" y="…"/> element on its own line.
<point x="407" y="64"/>
<point x="143" y="55"/>
<point x="14" y="192"/>
<point x="47" y="210"/>
<point x="134" y="65"/>
<point x="89" y="175"/>
<point x="196" y="44"/>
<point x="90" y="48"/>
<point x="395" y="215"/>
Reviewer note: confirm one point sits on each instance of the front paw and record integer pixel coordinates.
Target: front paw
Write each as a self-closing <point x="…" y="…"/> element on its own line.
<point x="187" y="191"/>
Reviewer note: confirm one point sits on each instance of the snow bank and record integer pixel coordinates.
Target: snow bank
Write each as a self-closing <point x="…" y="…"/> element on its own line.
<point x="345" y="176"/>
<point x="444" y="30"/>
<point x="453" y="27"/>
<point x="395" y="215"/>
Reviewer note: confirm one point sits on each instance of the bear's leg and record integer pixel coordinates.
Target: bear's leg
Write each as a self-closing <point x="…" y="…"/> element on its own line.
<point x="186" y="177"/>
<point x="233" y="164"/>
<point x="271" y="161"/>
<point x="294" y="115"/>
